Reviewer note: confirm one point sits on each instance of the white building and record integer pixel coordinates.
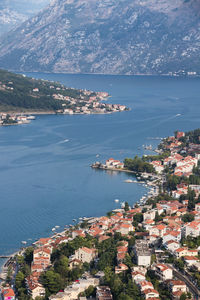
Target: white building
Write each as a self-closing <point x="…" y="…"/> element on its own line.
<point x="192" y="229"/>
<point x="143" y="254"/>
<point x="85" y="254"/>
<point x="164" y="272"/>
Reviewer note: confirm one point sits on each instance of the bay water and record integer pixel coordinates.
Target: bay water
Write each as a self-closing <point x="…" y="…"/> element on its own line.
<point x="45" y="174"/>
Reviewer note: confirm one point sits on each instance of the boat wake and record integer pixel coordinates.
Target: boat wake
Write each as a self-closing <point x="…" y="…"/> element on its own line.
<point x="62" y="142"/>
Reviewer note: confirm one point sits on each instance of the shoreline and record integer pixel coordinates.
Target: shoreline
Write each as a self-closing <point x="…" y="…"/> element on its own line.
<point x="4" y="267"/>
<point x="29" y="112"/>
<point x="114" y="169"/>
<point x="107" y="74"/>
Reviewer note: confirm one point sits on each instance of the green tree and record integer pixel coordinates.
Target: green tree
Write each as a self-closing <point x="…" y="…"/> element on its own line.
<point x="28" y="255"/>
<point x="126" y="207"/>
<point x="19" y="280"/>
<point x="191" y="198"/>
<point x="9" y="275"/>
<point x="138" y="217"/>
<point x="128" y="260"/>
<point x="52" y="282"/>
<point x="108" y="273"/>
<point x="179" y="264"/>
<point x="61" y="266"/>
<point x="187" y="218"/>
<point x="183" y="296"/>
<point x="123" y="296"/>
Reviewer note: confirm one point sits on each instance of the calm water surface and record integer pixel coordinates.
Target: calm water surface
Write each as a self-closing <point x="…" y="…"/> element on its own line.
<point x="44" y="166"/>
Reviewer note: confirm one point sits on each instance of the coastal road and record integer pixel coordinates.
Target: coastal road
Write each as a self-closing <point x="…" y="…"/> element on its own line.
<point x="193" y="289"/>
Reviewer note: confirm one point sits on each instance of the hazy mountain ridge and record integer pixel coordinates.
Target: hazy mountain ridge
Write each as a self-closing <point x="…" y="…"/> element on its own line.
<point x="128" y="37"/>
<point x="13" y="13"/>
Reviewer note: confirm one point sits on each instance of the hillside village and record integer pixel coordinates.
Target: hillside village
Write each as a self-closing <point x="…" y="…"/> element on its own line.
<point x="148" y="251"/>
<point x="19" y="94"/>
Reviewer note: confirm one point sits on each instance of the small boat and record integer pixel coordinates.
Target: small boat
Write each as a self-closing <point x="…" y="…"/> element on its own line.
<point x="53" y="229"/>
<point x="57" y="226"/>
<point x="177" y="115"/>
<point x="116" y="200"/>
<point x="30" y="117"/>
<point x="24" y="242"/>
<point x="128" y="181"/>
<point x="97" y="155"/>
<point x="74" y="220"/>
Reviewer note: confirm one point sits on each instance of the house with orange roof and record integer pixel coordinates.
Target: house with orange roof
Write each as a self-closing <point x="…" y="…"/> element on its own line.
<point x="172" y="235"/>
<point x="34" y="288"/>
<point x="7" y="294"/>
<point x="137" y="276"/>
<point x="85" y="254"/>
<point x="120" y="257"/>
<point x="38" y="268"/>
<point x="78" y="232"/>
<point x="149" y="215"/>
<point x="74" y="262"/>
<point x="96" y="232"/>
<point x="159" y="168"/>
<point x="124" y="229"/>
<point x="172" y="245"/>
<point x="182" y="211"/>
<point x="163" y="271"/>
<point x="103" y="238"/>
<point x="60" y="240"/>
<point x="43" y="242"/>
<point x="192" y="229"/>
<point x="177" y="286"/>
<point x="180" y="134"/>
<point x="145" y="284"/>
<point x="158" y="230"/>
<point x="184" y="251"/>
<point x="121" y="268"/>
<point x="190" y="260"/>
<point x="42" y="252"/>
<point x="150" y="293"/>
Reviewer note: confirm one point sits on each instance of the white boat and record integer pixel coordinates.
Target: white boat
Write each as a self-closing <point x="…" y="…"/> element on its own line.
<point x="24" y="242"/>
<point x="128" y="180"/>
<point x="116" y="200"/>
<point x="57" y="226"/>
<point x="53" y="229"/>
<point x="30" y="117"/>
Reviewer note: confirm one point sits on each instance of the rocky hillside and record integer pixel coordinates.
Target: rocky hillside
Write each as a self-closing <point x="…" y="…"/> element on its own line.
<point x="13" y="13"/>
<point x="107" y="36"/>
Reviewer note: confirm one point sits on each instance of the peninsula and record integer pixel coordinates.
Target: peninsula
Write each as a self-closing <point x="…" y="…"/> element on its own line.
<point x="21" y="94"/>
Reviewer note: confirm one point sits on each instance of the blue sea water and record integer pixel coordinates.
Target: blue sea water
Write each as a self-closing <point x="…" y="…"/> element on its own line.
<point x="45" y="173"/>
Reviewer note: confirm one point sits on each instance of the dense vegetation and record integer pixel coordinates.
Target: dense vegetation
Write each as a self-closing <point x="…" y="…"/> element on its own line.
<point x="193" y="136"/>
<point x="138" y="165"/>
<point x="16" y="93"/>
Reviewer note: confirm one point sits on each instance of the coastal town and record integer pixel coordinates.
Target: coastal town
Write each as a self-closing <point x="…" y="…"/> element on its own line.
<point x="150" y="250"/>
<point x="43" y="96"/>
<point x="15" y="119"/>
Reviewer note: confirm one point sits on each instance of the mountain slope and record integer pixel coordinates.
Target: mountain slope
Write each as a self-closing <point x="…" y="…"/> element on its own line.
<point x="107" y="36"/>
<point x="14" y="12"/>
